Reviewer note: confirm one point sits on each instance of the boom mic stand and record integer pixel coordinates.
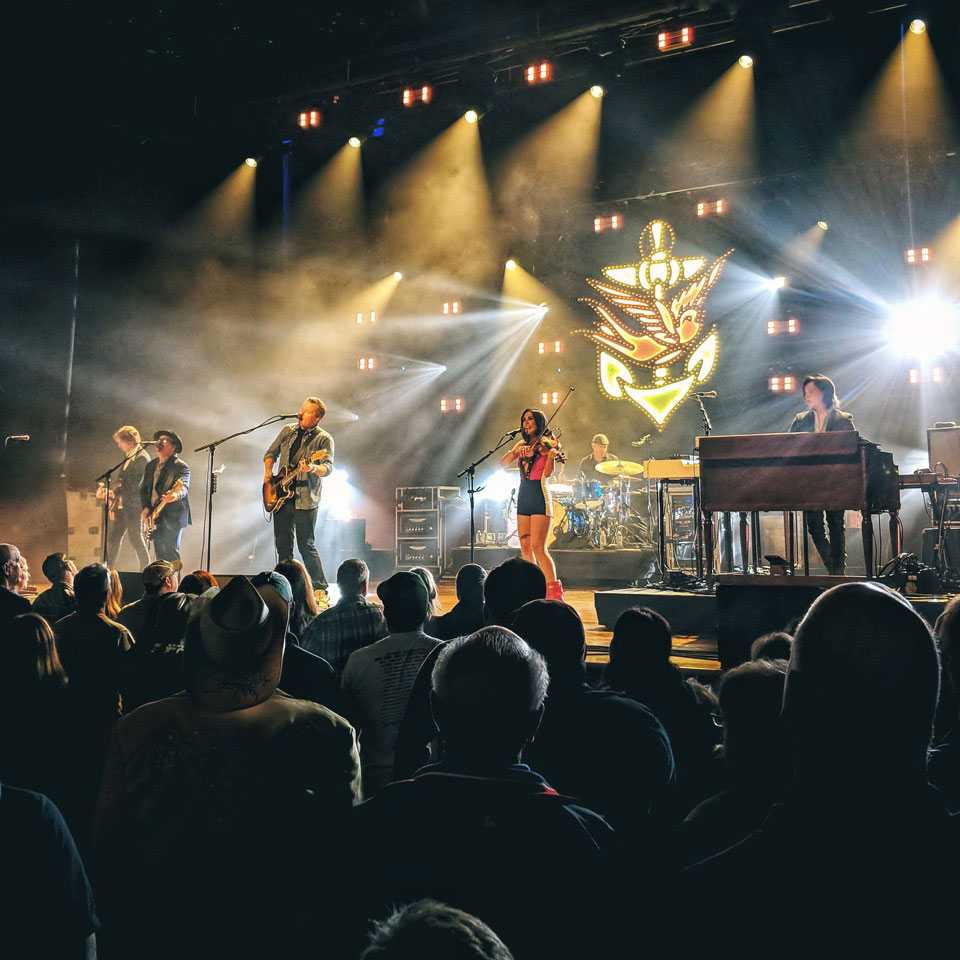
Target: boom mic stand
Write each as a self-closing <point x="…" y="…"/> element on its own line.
<point x="471" y="474"/>
<point x="212" y="477"/>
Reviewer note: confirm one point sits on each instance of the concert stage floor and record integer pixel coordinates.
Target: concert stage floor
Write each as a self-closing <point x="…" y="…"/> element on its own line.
<point x="743" y="608"/>
<point x="578" y="568"/>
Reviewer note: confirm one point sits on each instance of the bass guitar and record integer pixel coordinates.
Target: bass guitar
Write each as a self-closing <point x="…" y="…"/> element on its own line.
<point x="148" y="525"/>
<point x="283" y="485"/>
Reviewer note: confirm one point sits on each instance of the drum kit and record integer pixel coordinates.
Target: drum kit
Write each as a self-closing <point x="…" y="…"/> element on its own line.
<point x="590" y="513"/>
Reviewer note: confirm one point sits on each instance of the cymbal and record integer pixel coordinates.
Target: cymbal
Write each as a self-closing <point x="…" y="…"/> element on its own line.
<point x="619" y="468"/>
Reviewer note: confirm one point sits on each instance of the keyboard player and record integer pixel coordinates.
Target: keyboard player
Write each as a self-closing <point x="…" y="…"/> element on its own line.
<point x="824" y="414"/>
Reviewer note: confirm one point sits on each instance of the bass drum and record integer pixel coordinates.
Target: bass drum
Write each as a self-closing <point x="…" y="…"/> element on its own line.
<point x="556" y="521"/>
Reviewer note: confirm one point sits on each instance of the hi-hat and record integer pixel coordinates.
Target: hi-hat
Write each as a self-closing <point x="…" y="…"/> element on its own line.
<point x="620" y="468"/>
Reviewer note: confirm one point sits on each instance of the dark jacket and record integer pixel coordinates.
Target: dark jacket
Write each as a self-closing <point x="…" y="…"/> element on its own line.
<point x="128" y="480"/>
<point x="500" y="843"/>
<point x="176" y="514"/>
<point x="836" y="420"/>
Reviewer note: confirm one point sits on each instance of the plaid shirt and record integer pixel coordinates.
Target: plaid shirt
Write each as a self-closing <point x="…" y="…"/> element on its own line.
<point x="353" y="622"/>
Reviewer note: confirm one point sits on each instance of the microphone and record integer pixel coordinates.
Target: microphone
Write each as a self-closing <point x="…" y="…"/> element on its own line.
<point x="641" y="441"/>
<point x="289" y="416"/>
<point x="148" y="443"/>
<point x="20" y="437"/>
<point x="707" y="395"/>
<point x="513" y="433"/>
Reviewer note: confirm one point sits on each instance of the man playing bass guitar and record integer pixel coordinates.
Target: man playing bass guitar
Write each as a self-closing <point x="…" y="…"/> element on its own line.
<point x="298" y="446"/>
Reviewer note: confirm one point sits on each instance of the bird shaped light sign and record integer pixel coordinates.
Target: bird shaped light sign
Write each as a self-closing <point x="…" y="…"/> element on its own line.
<point x="653" y="342"/>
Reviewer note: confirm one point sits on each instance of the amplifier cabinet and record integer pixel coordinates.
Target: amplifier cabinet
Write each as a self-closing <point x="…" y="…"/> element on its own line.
<point x="419" y="553"/>
<point x="416" y="498"/>
<point x="421" y="538"/>
<point x="417" y="523"/>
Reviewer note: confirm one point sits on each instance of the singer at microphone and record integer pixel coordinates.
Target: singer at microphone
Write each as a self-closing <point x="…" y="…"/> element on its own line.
<point x="123" y="522"/>
<point x="307" y="448"/>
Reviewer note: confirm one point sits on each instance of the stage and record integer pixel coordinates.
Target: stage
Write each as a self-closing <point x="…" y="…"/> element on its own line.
<point x="741" y="608"/>
<point x="576" y="568"/>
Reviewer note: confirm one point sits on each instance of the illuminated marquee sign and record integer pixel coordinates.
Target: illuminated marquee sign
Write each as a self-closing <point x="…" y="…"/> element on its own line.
<point x="653" y="343"/>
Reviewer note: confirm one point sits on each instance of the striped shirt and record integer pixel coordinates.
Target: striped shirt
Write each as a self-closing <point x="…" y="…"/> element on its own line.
<point x="351" y="623"/>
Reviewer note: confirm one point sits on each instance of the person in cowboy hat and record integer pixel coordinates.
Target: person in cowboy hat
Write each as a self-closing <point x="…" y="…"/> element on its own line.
<point x="204" y="788"/>
<point x="166" y="480"/>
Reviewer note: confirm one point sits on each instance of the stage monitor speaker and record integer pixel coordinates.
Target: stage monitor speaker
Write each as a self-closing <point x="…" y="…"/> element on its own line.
<point x="749" y="611"/>
<point x="943" y="446"/>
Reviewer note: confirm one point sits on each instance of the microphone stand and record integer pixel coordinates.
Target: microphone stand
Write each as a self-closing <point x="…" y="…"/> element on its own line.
<point x="725" y="527"/>
<point x="471" y="472"/>
<point x="104" y="478"/>
<point x="211" y="449"/>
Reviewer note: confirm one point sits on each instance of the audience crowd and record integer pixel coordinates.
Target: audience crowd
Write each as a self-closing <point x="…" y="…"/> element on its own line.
<point x="222" y="770"/>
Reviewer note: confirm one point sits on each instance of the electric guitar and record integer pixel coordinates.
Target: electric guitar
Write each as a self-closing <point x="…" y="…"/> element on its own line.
<point x="148" y="524"/>
<point x="282" y="486"/>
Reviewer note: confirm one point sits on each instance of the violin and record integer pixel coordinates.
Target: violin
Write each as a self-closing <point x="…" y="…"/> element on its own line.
<point x="547" y="442"/>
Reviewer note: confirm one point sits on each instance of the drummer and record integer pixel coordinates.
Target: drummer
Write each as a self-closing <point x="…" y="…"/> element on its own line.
<point x="586" y="470"/>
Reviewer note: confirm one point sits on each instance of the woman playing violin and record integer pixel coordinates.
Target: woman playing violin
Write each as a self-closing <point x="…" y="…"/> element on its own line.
<point x="536" y="453"/>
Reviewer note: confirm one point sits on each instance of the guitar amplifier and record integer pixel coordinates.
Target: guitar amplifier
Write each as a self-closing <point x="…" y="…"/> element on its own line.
<point x="419" y="553"/>
<point x="422" y="537"/>
<point x="416" y="498"/>
<point x="417" y="523"/>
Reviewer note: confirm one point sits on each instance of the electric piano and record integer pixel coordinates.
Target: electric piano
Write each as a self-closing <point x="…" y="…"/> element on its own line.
<point x="794" y="472"/>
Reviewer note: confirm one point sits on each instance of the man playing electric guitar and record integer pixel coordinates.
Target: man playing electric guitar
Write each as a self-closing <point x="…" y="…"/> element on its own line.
<point x="166" y="481"/>
<point x="297" y="447"/>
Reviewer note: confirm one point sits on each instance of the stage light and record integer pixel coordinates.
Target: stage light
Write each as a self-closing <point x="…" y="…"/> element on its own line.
<point x="612" y="222"/>
<point x="451" y="306"/>
<point x="354" y="142"/>
<point x="338" y="495"/>
<point x="541" y="312"/>
<point x="917" y="256"/>
<point x="397" y="275"/>
<point x="471" y="116"/>
<point x="411" y="96"/>
<point x="936" y="374"/>
<point x="596" y="91"/>
<point x="707" y="208"/>
<point x="498" y="487"/>
<point x="776" y="283"/>
<point x="511" y="264"/>
<point x="675" y="39"/>
<point x="918" y="26"/>
<point x="789" y="326"/>
<point x="539" y="72"/>
<point x="309" y="119"/>
<point x="251" y="161"/>
<point x="924" y="329"/>
<point x="824" y="225"/>
<point x="452" y="405"/>
<point x="549" y="346"/>
<point x="367" y="363"/>
<point x="782" y="383"/>
<point x="745" y="61"/>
